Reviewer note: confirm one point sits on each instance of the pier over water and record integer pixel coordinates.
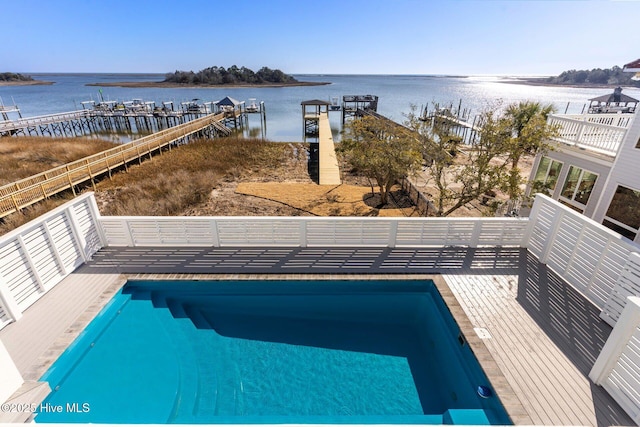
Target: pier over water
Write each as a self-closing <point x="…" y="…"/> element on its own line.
<point x="129" y="117"/>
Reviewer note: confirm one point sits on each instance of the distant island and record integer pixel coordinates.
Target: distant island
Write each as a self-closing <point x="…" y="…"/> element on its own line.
<point x="221" y="77"/>
<point x="10" y="79"/>
<point x="598" y="77"/>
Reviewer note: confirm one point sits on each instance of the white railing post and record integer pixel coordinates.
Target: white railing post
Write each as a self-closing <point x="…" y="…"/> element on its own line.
<point x="30" y="263"/>
<point x="9" y="303"/>
<point x="303" y="233"/>
<point x="130" y="240"/>
<point x="393" y="233"/>
<point x="11" y="379"/>
<point x="580" y="132"/>
<point x="546" y="251"/>
<point x="526" y="238"/>
<point x="78" y="238"/>
<point x="625" y="327"/>
<point x="54" y="248"/>
<point x="475" y="234"/>
<point x="214" y="233"/>
<point x="95" y="216"/>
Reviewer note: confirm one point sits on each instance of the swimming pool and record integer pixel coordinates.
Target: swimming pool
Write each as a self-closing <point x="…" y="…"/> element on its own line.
<point x="271" y="352"/>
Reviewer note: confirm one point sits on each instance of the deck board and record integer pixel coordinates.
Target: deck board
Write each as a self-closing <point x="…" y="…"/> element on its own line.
<point x="544" y="335"/>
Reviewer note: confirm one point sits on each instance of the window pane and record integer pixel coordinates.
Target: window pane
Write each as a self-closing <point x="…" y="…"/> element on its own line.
<point x="554" y="172"/>
<point x="571" y="182"/>
<point x="569" y="205"/>
<point x="541" y="173"/>
<point x="586" y="186"/>
<point x="615" y="227"/>
<point x="625" y="207"/>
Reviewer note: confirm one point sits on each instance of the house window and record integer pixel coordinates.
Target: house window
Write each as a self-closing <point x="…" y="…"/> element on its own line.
<point x="578" y="187"/>
<point x="623" y="215"/>
<point x="546" y="176"/>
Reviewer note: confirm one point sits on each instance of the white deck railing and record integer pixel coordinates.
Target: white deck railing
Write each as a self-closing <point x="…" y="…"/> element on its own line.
<point x="38" y="255"/>
<point x="586" y="254"/>
<point x="617" y="368"/>
<point x="595" y="260"/>
<point x="601" y="133"/>
<point x="313" y="231"/>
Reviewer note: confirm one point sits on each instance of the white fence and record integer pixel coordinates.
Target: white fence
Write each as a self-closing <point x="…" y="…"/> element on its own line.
<point x="595" y="260"/>
<point x="313" y="231"/>
<point x="38" y="255"/>
<point x="617" y="368"/>
<point x="610" y="119"/>
<point x="584" y="253"/>
<point x="592" y="131"/>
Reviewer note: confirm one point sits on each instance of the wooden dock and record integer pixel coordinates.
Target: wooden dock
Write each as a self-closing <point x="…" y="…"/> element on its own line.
<point x="28" y="191"/>
<point x="129" y="118"/>
<point x="328" y="169"/>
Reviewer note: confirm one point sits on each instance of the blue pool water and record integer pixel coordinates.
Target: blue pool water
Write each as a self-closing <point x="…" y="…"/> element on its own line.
<point x="271" y="352"/>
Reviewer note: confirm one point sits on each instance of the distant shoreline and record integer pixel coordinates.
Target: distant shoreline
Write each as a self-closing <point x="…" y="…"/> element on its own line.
<point x="540" y="81"/>
<point x="205" y="86"/>
<point x="25" y="83"/>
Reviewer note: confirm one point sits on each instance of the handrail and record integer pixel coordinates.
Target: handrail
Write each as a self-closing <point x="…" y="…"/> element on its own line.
<point x="10" y="125"/>
<point x="598" y="137"/>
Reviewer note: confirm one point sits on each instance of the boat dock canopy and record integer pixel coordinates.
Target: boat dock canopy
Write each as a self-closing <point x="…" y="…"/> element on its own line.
<point x="615" y="102"/>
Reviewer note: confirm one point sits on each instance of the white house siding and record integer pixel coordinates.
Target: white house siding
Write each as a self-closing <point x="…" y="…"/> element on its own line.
<point x="625" y="171"/>
<point x="600" y="165"/>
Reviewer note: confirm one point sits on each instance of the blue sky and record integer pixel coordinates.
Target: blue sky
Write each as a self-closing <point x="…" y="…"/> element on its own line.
<point x="319" y="36"/>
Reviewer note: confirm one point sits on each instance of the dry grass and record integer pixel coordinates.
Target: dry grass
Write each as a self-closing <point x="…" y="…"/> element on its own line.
<point x="225" y="177"/>
<point x="21" y="157"/>
<point x="17" y="219"/>
<point x="185" y="177"/>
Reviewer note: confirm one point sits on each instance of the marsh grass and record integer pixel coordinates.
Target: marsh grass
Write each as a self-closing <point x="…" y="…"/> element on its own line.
<point x="185" y="177"/>
<point x="21" y="157"/>
<point x="169" y="183"/>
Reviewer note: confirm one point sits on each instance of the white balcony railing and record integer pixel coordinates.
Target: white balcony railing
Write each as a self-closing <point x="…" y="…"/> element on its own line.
<point x="600" y="133"/>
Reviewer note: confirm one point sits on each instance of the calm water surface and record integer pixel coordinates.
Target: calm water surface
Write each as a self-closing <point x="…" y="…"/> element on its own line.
<point x="284" y="113"/>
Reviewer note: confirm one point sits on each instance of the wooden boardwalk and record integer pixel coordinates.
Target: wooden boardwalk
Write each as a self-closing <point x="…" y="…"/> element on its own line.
<point x="328" y="169"/>
<point x="543" y="335"/>
<point x="28" y="191"/>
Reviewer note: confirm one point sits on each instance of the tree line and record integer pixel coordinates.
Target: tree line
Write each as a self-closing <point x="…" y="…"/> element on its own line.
<point x="14" y="77"/>
<point x="607" y="76"/>
<point x="386" y="152"/>
<point x="231" y="75"/>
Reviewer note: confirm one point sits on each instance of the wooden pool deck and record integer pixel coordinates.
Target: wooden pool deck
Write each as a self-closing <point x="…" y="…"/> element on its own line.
<point x="542" y="334"/>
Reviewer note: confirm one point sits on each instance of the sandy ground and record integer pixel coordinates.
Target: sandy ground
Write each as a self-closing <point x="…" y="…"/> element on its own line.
<point x="328" y="200"/>
<point x="290" y="191"/>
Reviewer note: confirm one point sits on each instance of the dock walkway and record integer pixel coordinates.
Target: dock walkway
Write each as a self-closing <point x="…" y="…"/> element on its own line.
<point x="23" y="193"/>
<point x="328" y="169"/>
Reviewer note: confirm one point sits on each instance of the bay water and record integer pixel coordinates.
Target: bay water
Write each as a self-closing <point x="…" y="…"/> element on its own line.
<point x="397" y="93"/>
